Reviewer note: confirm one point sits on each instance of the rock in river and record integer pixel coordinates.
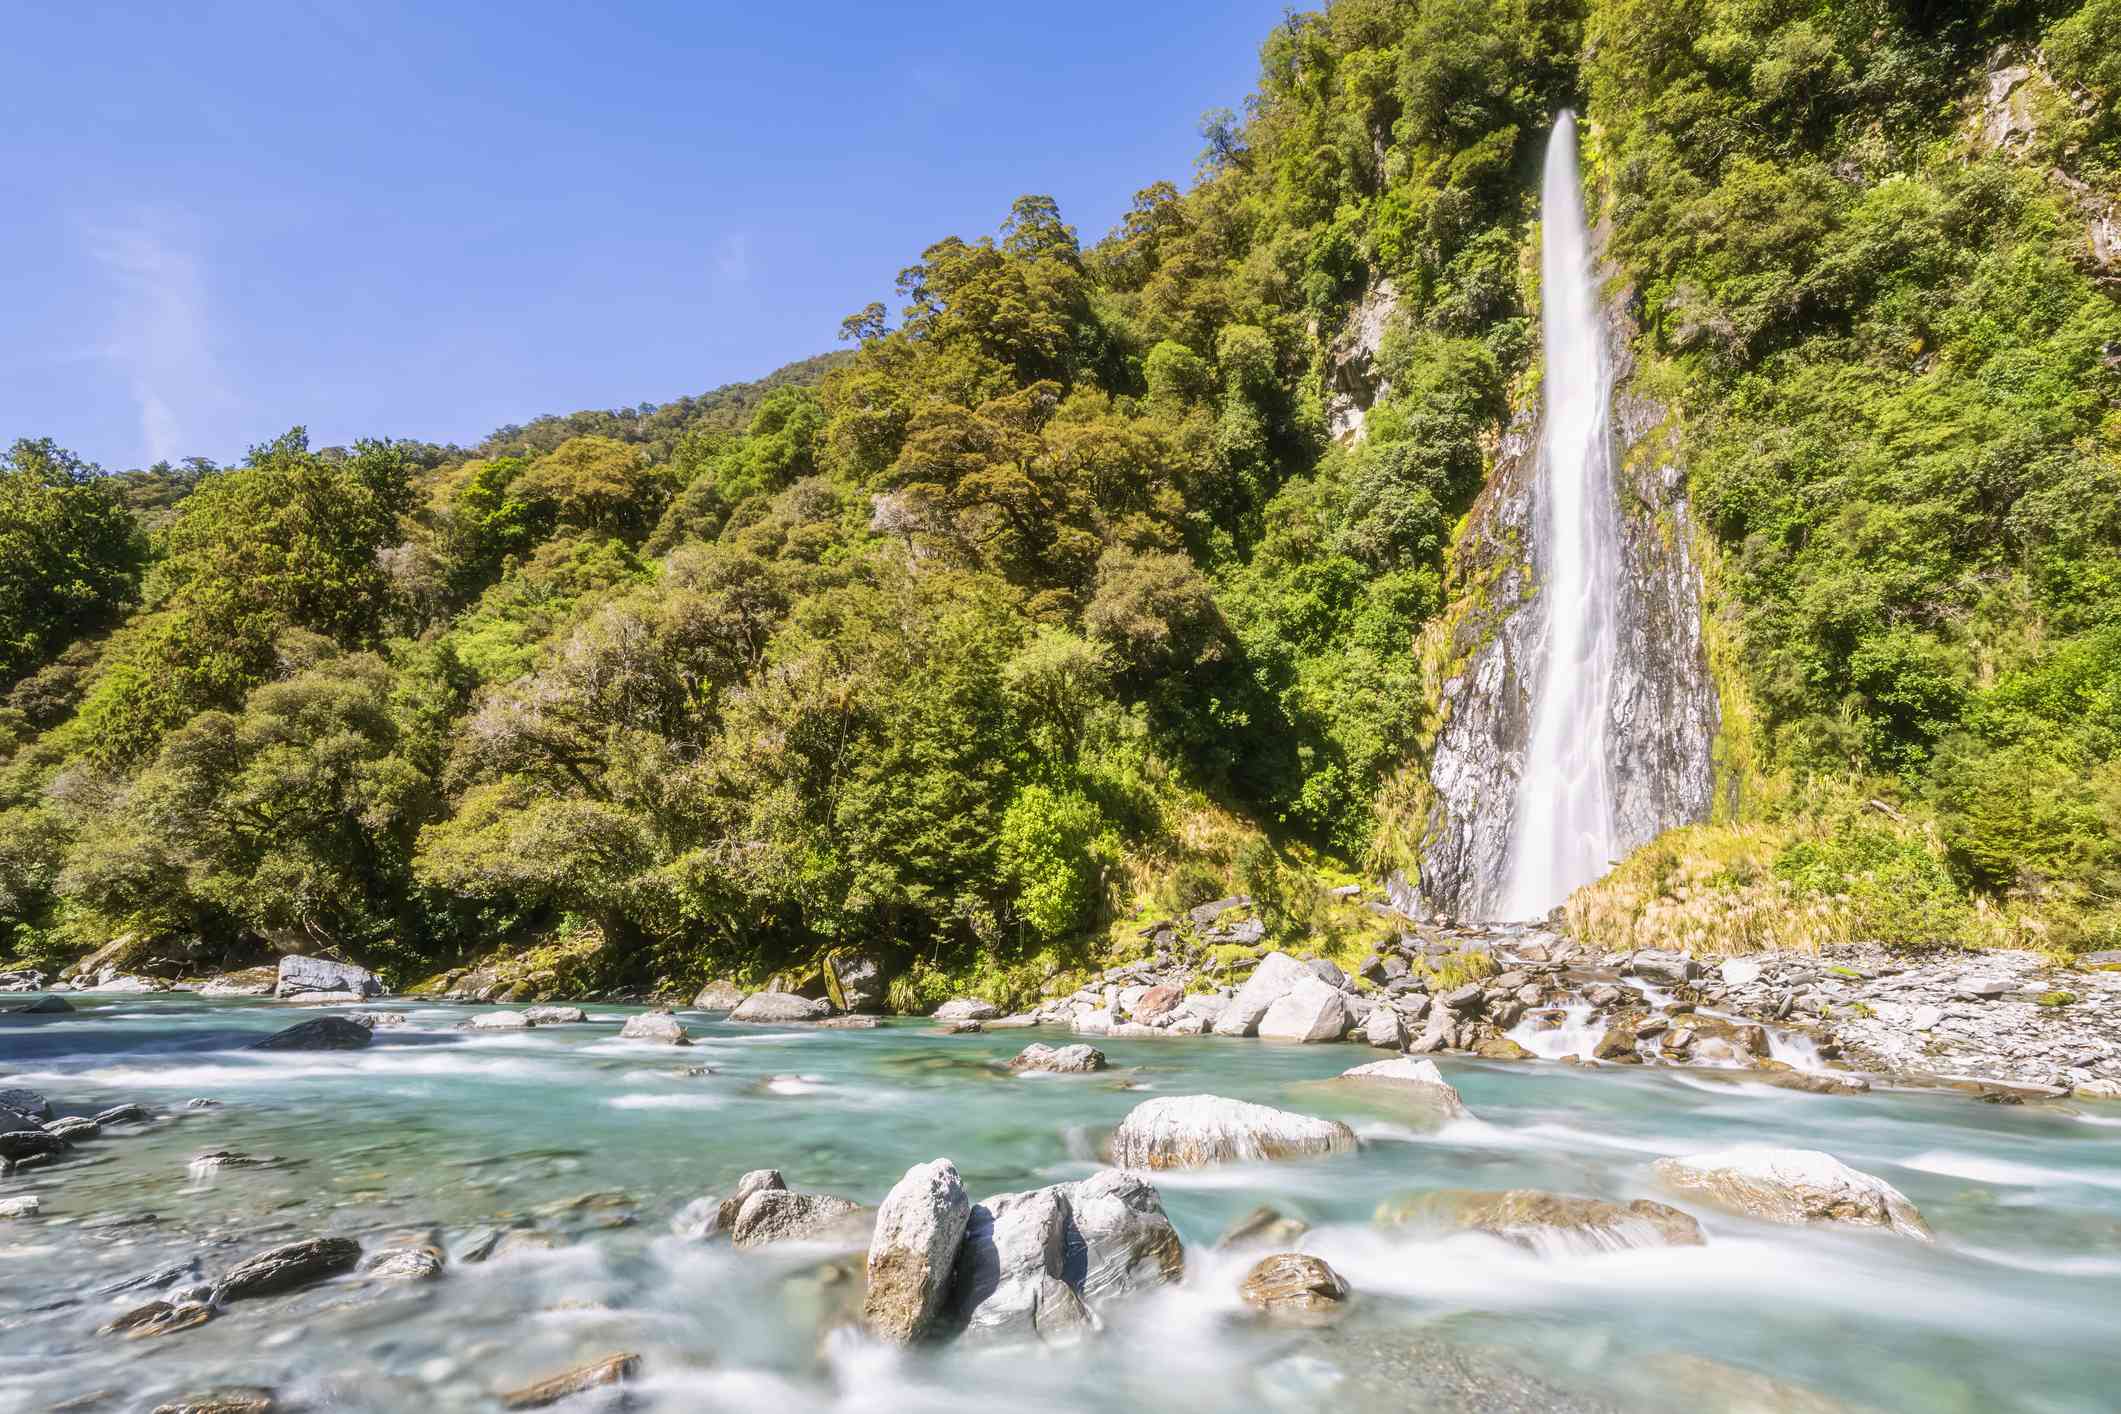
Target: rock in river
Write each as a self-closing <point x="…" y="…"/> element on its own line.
<point x="323" y="1033"/>
<point x="1310" y="1011"/>
<point x="321" y="974"/>
<point x="404" y="1264"/>
<point x="26" y="1102"/>
<point x="235" y="1399"/>
<point x="1077" y="1059"/>
<point x="913" y="1254"/>
<point x="1417" y="1082"/>
<point x="967" y="1009"/>
<point x="721" y="995"/>
<point x="777" y="1215"/>
<point x="497" y="1021"/>
<point x="776" y="1008"/>
<point x="26" y="1205"/>
<point x="611" y="1370"/>
<point x="1549" y="1223"/>
<point x="286" y="1267"/>
<point x="1293" y="1286"/>
<point x="655" y="1026"/>
<point x="1192" y="1131"/>
<point x="1040" y="1264"/>
<point x="1794" y="1186"/>
<point x="556" y="1016"/>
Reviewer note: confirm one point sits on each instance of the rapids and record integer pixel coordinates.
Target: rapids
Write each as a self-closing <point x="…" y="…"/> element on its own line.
<point x="431" y="1129"/>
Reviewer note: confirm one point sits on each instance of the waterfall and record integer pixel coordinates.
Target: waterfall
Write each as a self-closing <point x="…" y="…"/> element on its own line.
<point x="1563" y="831"/>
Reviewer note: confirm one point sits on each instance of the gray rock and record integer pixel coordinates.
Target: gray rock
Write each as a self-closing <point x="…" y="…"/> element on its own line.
<point x="967" y="1009"/>
<point x="25" y="1205"/>
<point x="1977" y="985"/>
<point x="286" y="1267"/>
<point x="73" y="1128"/>
<point x="26" y="1102"/>
<point x="780" y="1009"/>
<point x="1310" y="1011"/>
<point x="913" y="1253"/>
<point x="1793" y="1186"/>
<point x="321" y="974"/>
<point x="323" y="1033"/>
<point x="1416" y="1082"/>
<point x="404" y="1264"/>
<point x="1206" y="913"/>
<point x="1060" y="1060"/>
<point x="1192" y="1131"/>
<point x="859" y="978"/>
<point x="777" y="1215"/>
<point x="1668" y="967"/>
<point x="1263" y="1227"/>
<point x="1469" y="998"/>
<point x="555" y="1016"/>
<point x="658" y="1026"/>
<point x="1276" y="974"/>
<point x="719" y="995"/>
<point x="1326" y="972"/>
<point x="1040" y="1264"/>
<point x="1439" y="1033"/>
<point x="1386" y="1028"/>
<point x="597" y="1374"/>
<point x="42" y="1006"/>
<point x="1739" y="972"/>
<point x="498" y="1021"/>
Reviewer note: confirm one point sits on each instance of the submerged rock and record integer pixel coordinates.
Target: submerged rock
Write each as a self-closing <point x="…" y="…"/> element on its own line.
<point x="658" y="1026"/>
<point x="323" y="1033"/>
<point x="26" y="1205"/>
<point x="1793" y="1186"/>
<point x="159" y="1318"/>
<point x="1308" y="1012"/>
<point x="237" y="1399"/>
<point x="776" y="1215"/>
<point x="124" y="1114"/>
<point x="913" y="1254"/>
<point x="780" y="1008"/>
<point x="43" y="1006"/>
<point x="320" y="974"/>
<point x="1077" y="1059"/>
<point x="1275" y="976"/>
<point x="1539" y="1221"/>
<point x="1293" y="1286"/>
<point x="283" y="1268"/>
<point x="1263" y="1227"/>
<point x="420" y="1263"/>
<point x="1192" y="1131"/>
<point x="1415" y="1081"/>
<point x="1040" y="1264"/>
<point x="610" y="1370"/>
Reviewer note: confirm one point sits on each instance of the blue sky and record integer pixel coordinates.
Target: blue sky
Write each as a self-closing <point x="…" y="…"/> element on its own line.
<point x="377" y="218"/>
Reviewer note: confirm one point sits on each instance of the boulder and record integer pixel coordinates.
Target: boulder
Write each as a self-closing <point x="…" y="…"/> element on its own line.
<point x="855" y="981"/>
<point x="25" y="1102"/>
<point x="779" y="1009"/>
<point x="373" y="1019"/>
<point x="404" y="1264"/>
<point x="1793" y="1186"/>
<point x="1157" y="1002"/>
<point x="1271" y="980"/>
<point x="1040" y="1264"/>
<point x="720" y="995"/>
<point x="555" y="1016"/>
<point x="1739" y="972"/>
<point x="967" y="1009"/>
<point x="777" y="1215"/>
<point x="610" y="1370"/>
<point x="498" y="1021"/>
<point x="1417" y="1082"/>
<point x="1059" y="1060"/>
<point x="26" y="1205"/>
<point x="1439" y="1032"/>
<point x="323" y="1033"/>
<point x="1293" y="1286"/>
<point x="1671" y="968"/>
<point x="250" y="982"/>
<point x="321" y="974"/>
<point x="73" y="1128"/>
<point x="1500" y="1048"/>
<point x="1310" y="1011"/>
<point x="42" y="1006"/>
<point x="1193" y="1131"/>
<point x="283" y="1268"/>
<point x="1465" y="999"/>
<point x="124" y="1114"/>
<point x="159" y="1318"/>
<point x="658" y="1026"/>
<point x="1326" y="972"/>
<point x="703" y="1218"/>
<point x="913" y="1254"/>
<point x="1548" y="1223"/>
<point x="1386" y="1029"/>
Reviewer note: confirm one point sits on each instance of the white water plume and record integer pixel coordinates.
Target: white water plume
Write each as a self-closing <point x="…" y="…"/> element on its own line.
<point x="1563" y="827"/>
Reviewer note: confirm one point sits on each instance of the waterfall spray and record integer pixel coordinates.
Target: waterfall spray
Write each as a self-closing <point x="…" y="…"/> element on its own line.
<point x="1563" y="831"/>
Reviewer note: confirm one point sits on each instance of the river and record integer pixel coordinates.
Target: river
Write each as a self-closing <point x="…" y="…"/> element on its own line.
<point x="439" y="1133"/>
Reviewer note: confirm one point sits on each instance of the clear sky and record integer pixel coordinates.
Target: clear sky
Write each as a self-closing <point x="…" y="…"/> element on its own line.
<point x="428" y="220"/>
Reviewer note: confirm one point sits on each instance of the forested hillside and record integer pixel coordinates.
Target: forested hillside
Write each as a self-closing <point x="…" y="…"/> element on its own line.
<point x="1058" y="602"/>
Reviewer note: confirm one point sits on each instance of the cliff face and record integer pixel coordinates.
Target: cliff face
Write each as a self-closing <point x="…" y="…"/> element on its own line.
<point x="1661" y="721"/>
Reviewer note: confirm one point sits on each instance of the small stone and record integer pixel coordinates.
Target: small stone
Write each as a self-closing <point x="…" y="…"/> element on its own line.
<point x="1292" y="1285"/>
<point x="404" y="1264"/>
<point x="159" y="1318"/>
<point x="610" y="1370"/>
<point x="240" y="1399"/>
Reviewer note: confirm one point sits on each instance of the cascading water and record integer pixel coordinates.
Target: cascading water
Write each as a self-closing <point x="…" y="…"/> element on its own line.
<point x="1563" y="826"/>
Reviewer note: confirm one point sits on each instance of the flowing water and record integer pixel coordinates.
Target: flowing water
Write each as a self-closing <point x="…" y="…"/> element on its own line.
<point x="442" y="1133"/>
<point x="1562" y="829"/>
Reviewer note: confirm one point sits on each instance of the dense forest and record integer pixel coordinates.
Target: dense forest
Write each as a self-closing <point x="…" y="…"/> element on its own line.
<point x="1063" y="598"/>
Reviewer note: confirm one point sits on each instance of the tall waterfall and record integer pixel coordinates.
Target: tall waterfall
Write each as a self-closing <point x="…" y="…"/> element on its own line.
<point x="1563" y="830"/>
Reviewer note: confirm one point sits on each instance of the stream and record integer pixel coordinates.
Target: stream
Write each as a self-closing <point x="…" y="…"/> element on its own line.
<point x="440" y="1133"/>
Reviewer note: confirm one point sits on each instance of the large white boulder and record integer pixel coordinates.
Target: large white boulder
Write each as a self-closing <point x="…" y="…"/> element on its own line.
<point x="1041" y="1264"/>
<point x="1310" y="1011"/>
<point x="1793" y="1186"/>
<point x="779" y="1008"/>
<point x="1276" y="974"/>
<point x="1416" y="1081"/>
<point x="913" y="1254"/>
<point x="1193" y="1131"/>
<point x="321" y="974"/>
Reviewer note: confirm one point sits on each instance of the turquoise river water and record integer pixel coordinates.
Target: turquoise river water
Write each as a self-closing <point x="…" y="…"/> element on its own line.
<point x="2016" y="1306"/>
